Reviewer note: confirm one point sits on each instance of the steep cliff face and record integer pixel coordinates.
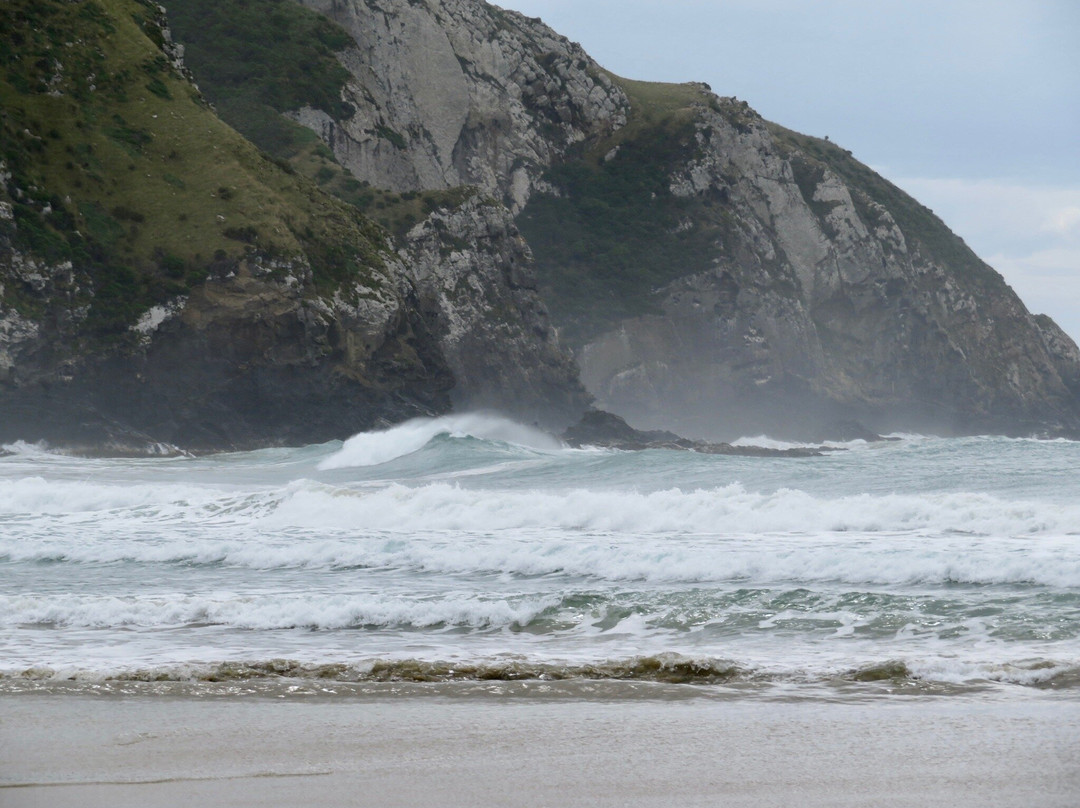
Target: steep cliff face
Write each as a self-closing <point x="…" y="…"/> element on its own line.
<point x="459" y="92"/>
<point x="163" y="282"/>
<point x="715" y="273"/>
<point x="249" y="358"/>
<point x="474" y="277"/>
<point x="830" y="294"/>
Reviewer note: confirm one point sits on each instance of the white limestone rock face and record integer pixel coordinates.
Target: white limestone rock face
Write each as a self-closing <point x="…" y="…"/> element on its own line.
<point x="458" y="92"/>
<point x="156" y="316"/>
<point x="26" y="341"/>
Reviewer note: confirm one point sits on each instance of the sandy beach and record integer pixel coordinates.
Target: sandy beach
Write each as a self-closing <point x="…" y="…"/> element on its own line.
<point x="73" y="749"/>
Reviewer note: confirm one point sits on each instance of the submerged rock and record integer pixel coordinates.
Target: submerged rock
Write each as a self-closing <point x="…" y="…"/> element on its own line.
<point x="843" y="431"/>
<point x="609" y="431"/>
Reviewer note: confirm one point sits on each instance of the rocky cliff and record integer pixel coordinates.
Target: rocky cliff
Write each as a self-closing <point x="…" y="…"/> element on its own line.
<point x="811" y="290"/>
<point x="477" y="290"/>
<point x="460" y="92"/>
<point x="428" y="179"/>
<point x="714" y="272"/>
<point x="164" y="282"/>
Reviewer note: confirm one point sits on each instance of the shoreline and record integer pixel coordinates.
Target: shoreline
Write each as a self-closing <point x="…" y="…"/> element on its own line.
<point x="832" y="690"/>
<point x="128" y="749"/>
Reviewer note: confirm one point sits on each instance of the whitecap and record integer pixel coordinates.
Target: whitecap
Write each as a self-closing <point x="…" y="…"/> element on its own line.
<point x="376" y="448"/>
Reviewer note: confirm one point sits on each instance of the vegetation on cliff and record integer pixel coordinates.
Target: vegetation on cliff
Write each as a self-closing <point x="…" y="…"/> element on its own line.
<point x="165" y="279"/>
<point x="115" y="163"/>
<point x="784" y="274"/>
<point x="256" y="61"/>
<point x="610" y="231"/>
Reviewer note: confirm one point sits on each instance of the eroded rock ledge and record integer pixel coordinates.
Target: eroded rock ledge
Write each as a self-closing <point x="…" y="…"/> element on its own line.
<point x="608" y="431"/>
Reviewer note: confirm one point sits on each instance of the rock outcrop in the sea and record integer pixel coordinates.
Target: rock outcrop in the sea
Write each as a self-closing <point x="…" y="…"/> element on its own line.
<point x="605" y="430"/>
<point x="846" y="431"/>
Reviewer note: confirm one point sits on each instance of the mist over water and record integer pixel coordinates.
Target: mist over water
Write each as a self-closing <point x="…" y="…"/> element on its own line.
<point x="471" y="546"/>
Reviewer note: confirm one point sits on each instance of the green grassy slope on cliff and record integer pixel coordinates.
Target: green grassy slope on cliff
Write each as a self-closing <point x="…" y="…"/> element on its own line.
<point x="117" y="165"/>
<point x="258" y="59"/>
<point x="613" y="231"/>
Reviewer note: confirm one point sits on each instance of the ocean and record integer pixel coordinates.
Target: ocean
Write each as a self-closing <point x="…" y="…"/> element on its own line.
<point x="470" y="551"/>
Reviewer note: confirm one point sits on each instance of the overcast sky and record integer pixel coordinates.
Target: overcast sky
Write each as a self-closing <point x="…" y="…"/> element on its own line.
<point x="972" y="106"/>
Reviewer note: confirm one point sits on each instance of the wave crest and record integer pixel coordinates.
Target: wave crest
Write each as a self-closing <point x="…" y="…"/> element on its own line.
<point x="376" y="448"/>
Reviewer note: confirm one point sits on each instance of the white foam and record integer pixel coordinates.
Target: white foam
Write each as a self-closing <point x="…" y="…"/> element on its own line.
<point x="376" y="448"/>
<point x="38" y="495"/>
<point x="25" y="449"/>
<point x="757" y="560"/>
<point x="765" y="442"/>
<point x="727" y="509"/>
<point x="775" y="443"/>
<point x="720" y="534"/>
<point x="216" y="558"/>
<point x="269" y="611"/>
<point x="1021" y="671"/>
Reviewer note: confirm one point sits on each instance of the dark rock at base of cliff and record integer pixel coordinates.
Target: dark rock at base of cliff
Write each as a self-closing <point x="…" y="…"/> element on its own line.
<point x="600" y="428"/>
<point x="247" y="363"/>
<point x="116" y="414"/>
<point x="609" y="431"/>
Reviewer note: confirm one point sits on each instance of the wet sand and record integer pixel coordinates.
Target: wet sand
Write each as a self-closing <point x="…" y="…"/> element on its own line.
<point x="84" y="750"/>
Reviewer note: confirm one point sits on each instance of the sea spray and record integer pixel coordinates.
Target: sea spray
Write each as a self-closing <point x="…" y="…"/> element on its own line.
<point x="375" y="448"/>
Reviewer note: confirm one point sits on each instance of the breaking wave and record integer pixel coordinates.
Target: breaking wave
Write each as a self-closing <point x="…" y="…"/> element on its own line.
<point x="694" y="536"/>
<point x="886" y="560"/>
<point x="441" y="506"/>
<point x="483" y="543"/>
<point x="730" y="509"/>
<point x="316" y="611"/>
<point x="376" y="448"/>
